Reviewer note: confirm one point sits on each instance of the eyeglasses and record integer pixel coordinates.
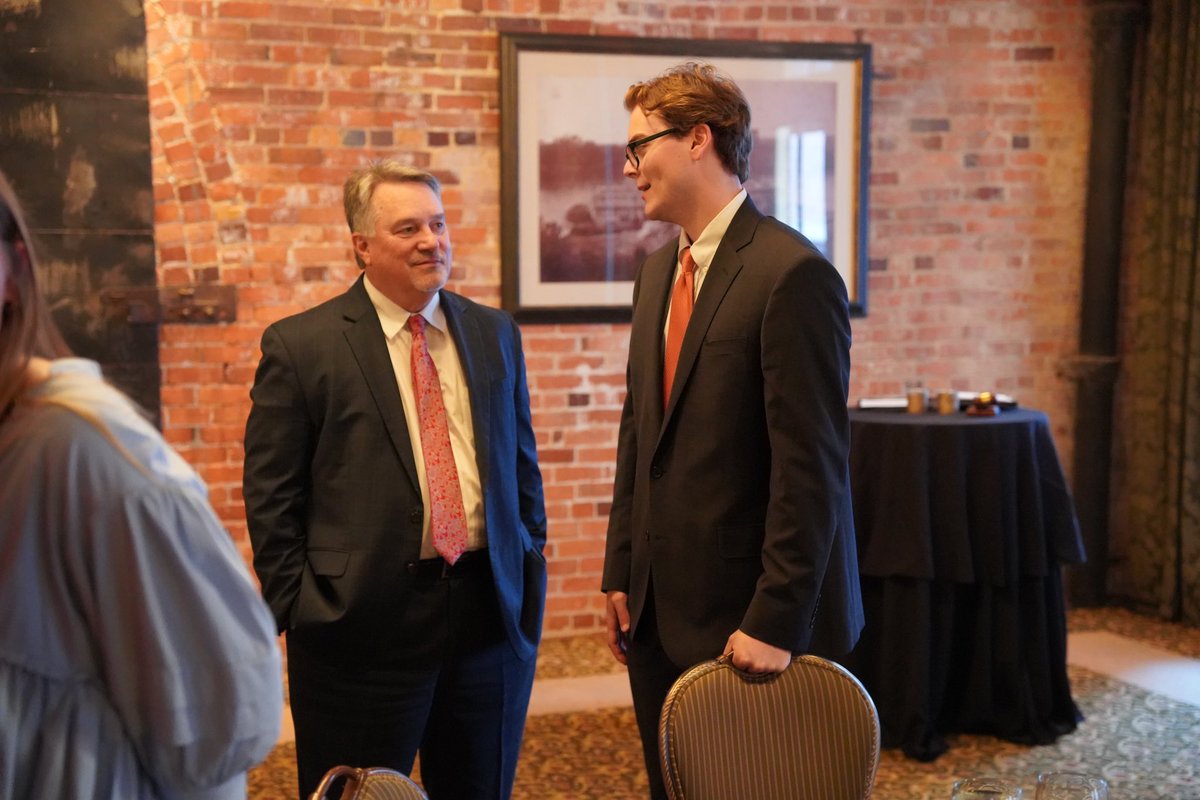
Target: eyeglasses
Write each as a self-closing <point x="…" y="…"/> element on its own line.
<point x="631" y="149"/>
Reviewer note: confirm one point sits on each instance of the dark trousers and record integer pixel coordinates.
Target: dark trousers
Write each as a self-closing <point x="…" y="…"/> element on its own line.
<point x="651" y="675"/>
<point x="459" y="696"/>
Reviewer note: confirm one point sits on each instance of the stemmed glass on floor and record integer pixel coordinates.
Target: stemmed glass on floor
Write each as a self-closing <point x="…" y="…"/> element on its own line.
<point x="1071" y="786"/>
<point x="985" y="788"/>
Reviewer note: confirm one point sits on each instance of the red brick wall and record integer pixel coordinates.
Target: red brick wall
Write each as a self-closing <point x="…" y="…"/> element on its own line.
<point x="260" y="107"/>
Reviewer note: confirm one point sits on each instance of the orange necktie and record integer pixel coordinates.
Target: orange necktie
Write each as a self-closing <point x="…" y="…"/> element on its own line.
<point x="447" y="518"/>
<point x="682" y="299"/>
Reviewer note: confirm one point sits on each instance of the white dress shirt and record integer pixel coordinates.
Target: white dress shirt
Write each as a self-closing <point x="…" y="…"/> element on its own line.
<point x="394" y="321"/>
<point x="704" y="248"/>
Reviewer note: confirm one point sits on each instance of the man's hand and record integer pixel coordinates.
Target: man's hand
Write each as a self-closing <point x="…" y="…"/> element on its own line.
<point x="755" y="655"/>
<point x="617" y="623"/>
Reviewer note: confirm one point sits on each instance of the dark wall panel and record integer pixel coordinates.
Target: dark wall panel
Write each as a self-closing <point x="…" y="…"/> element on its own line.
<point x="75" y="144"/>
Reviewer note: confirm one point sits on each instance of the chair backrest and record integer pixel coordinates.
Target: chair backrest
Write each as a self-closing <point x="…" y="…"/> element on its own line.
<point x="371" y="783"/>
<point x="811" y="731"/>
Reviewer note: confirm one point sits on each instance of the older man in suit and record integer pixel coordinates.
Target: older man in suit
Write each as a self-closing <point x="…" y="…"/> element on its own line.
<point x="731" y="529"/>
<point x="395" y="508"/>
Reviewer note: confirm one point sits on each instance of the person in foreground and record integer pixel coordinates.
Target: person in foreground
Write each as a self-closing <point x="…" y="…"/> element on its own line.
<point x="137" y="659"/>
<point x="395" y="508"/>
<point x="731" y="529"/>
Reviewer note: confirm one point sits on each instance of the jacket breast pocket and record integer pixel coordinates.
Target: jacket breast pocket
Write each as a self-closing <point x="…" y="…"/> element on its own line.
<point x="723" y="348"/>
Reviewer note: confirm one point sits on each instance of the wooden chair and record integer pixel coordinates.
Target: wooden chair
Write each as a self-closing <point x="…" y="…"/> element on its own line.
<point x="811" y="731"/>
<point x="371" y="783"/>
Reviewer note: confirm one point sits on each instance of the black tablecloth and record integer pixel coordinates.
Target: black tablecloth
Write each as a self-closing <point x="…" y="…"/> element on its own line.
<point x="962" y="523"/>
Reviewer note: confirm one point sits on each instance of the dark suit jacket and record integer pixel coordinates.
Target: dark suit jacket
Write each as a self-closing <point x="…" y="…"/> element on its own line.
<point x="737" y="498"/>
<point x="332" y="499"/>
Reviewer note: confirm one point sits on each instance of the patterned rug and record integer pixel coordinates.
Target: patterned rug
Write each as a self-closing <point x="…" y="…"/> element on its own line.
<point x="1146" y="745"/>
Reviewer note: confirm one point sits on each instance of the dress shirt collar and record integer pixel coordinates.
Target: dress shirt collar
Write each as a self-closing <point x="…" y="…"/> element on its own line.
<point x="393" y="318"/>
<point x="706" y="244"/>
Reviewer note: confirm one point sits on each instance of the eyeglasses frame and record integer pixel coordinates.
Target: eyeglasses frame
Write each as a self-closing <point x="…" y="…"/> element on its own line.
<point x="631" y="155"/>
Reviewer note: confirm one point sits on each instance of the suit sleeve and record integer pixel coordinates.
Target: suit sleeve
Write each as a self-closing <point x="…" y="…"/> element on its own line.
<point x="806" y="369"/>
<point x="618" y="549"/>
<point x="529" y="475"/>
<point x="280" y="434"/>
<point x="619" y="543"/>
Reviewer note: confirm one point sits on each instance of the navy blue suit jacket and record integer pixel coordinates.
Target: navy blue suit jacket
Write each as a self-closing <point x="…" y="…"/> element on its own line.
<point x="332" y="499"/>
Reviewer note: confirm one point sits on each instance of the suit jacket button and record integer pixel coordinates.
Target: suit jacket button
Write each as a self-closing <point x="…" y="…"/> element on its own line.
<point x="415" y="515"/>
<point x="656" y="472"/>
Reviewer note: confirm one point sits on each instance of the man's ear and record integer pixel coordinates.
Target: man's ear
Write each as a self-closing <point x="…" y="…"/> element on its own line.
<point x="362" y="247"/>
<point x="701" y="140"/>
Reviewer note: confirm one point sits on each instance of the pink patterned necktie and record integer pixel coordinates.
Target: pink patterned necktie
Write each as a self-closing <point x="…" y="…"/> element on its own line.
<point x="682" y="299"/>
<point x="447" y="519"/>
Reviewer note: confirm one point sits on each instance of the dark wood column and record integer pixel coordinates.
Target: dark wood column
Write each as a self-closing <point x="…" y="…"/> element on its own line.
<point x="1117" y="31"/>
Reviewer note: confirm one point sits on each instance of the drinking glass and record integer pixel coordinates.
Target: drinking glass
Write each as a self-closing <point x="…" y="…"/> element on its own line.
<point x="917" y="396"/>
<point x="947" y="401"/>
<point x="985" y="788"/>
<point x="1071" y="786"/>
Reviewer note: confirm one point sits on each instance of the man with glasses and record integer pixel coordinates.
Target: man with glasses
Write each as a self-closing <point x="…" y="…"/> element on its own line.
<point x="731" y="530"/>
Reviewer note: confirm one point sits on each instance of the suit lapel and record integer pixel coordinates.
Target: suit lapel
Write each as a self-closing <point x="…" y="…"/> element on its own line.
<point x="726" y="264"/>
<point x="366" y="340"/>
<point x="464" y="330"/>
<point x="648" y="347"/>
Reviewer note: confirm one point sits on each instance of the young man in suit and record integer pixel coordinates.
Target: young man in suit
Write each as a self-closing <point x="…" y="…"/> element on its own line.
<point x="731" y="529"/>
<point x="395" y="508"/>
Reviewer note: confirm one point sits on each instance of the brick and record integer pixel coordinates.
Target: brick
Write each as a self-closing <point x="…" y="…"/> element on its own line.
<point x="464" y="23"/>
<point x="358" y="17"/>
<point x="356" y="56"/>
<point x="226" y="94"/>
<point x="244" y="10"/>
<point x="294" y="97"/>
<point x="311" y="14"/>
<point x="928" y="125"/>
<point x="1033" y="54"/>
<point x="381" y="138"/>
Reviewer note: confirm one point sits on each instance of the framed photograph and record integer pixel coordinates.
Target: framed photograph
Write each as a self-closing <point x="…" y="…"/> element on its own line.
<point x="573" y="230"/>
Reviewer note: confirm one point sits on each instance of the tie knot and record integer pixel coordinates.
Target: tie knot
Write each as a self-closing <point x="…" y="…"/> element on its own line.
<point x="416" y="324"/>
<point x="685" y="259"/>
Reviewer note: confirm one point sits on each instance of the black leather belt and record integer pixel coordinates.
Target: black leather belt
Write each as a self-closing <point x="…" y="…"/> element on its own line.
<point x="469" y="563"/>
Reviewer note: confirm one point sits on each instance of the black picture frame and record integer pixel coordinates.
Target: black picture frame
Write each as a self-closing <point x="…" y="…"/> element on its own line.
<point x="572" y="228"/>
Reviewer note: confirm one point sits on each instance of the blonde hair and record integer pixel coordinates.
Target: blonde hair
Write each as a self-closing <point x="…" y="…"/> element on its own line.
<point x="27" y="329"/>
<point x="694" y="94"/>
<point x="359" y="190"/>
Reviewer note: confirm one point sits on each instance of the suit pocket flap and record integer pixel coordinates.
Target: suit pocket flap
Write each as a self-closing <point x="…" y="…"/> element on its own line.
<point x="328" y="562"/>
<point x="724" y="347"/>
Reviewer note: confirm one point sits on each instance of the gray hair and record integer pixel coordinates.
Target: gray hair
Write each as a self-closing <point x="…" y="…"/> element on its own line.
<point x="359" y="190"/>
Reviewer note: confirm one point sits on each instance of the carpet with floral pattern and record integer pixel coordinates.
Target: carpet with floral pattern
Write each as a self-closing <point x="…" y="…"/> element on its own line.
<point x="1146" y="745"/>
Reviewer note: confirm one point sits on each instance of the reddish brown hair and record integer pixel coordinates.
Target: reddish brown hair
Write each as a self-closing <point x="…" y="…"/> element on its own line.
<point x="693" y="94"/>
